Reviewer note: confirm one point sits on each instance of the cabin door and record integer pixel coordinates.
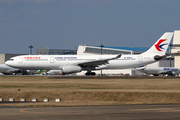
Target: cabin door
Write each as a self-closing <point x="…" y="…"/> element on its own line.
<point x="140" y="58"/>
<point x="20" y="60"/>
<point x="52" y="60"/>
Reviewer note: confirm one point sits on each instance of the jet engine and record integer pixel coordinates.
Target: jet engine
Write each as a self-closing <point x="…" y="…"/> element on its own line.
<point x="57" y="72"/>
<point x="68" y="69"/>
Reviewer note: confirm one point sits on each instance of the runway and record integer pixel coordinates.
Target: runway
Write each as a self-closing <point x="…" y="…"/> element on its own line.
<point x="125" y="112"/>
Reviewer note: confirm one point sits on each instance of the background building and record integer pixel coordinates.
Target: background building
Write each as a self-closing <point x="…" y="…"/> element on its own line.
<point x="85" y="49"/>
<point x="47" y="51"/>
<point x="176" y="48"/>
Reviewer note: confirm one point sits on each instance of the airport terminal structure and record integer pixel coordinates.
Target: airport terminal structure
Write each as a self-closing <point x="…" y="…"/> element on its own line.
<point x="86" y="49"/>
<point x="47" y="51"/>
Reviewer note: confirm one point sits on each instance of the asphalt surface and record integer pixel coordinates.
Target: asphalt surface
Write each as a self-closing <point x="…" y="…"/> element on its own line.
<point x="120" y="112"/>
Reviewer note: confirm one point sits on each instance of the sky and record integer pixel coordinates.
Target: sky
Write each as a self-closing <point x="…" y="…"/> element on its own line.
<point x="66" y="24"/>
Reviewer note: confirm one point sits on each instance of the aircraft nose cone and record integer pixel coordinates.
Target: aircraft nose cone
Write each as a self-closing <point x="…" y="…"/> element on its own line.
<point x="8" y="63"/>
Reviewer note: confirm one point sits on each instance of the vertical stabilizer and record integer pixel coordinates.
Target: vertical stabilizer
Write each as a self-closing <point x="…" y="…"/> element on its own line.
<point x="160" y="47"/>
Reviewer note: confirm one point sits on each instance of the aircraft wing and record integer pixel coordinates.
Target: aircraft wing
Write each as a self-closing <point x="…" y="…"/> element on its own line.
<point x="95" y="63"/>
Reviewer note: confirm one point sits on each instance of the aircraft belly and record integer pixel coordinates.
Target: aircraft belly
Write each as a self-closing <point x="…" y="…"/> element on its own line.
<point x="117" y="64"/>
<point x="36" y="65"/>
<point x="120" y="64"/>
<point x="101" y="67"/>
<point x="123" y="64"/>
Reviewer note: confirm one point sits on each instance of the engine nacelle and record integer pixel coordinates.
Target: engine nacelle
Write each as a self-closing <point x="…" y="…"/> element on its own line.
<point x="57" y="72"/>
<point x="67" y="69"/>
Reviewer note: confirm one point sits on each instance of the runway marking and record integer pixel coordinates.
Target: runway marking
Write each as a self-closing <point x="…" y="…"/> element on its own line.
<point x="158" y="110"/>
<point x="28" y="111"/>
<point x="24" y="110"/>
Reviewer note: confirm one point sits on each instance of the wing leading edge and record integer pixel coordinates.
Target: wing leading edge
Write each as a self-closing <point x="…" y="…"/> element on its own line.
<point x="95" y="63"/>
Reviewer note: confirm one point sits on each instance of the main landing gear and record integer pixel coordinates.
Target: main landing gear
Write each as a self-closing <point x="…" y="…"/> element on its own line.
<point x="89" y="73"/>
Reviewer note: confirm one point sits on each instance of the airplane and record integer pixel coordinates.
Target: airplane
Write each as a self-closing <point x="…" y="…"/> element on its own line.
<point x="7" y="70"/>
<point x="68" y="64"/>
<point x="156" y="71"/>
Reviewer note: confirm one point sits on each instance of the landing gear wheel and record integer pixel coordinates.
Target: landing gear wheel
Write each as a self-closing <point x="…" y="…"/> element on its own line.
<point x="93" y="73"/>
<point x="90" y="73"/>
<point x="87" y="73"/>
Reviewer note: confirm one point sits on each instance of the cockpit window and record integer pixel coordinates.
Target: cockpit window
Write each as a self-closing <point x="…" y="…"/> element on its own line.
<point x="11" y="59"/>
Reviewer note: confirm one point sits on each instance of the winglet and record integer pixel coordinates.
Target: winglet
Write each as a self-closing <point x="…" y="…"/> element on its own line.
<point x="118" y="56"/>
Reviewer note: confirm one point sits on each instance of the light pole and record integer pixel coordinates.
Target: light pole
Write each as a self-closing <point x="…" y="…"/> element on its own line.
<point x="101" y="54"/>
<point x="101" y="48"/>
<point x="170" y="46"/>
<point x="30" y="49"/>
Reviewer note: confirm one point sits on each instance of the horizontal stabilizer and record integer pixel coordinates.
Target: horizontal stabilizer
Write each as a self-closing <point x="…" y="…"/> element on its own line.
<point x="157" y="57"/>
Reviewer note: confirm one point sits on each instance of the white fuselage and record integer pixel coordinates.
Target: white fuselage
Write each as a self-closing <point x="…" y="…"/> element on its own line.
<point x="159" y="70"/>
<point x="55" y="62"/>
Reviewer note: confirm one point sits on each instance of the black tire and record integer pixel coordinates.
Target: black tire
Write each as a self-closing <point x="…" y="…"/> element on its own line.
<point x="88" y="73"/>
<point x="93" y="74"/>
<point x="155" y="74"/>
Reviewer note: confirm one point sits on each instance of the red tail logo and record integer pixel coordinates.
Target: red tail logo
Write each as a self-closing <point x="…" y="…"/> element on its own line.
<point x="159" y="46"/>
